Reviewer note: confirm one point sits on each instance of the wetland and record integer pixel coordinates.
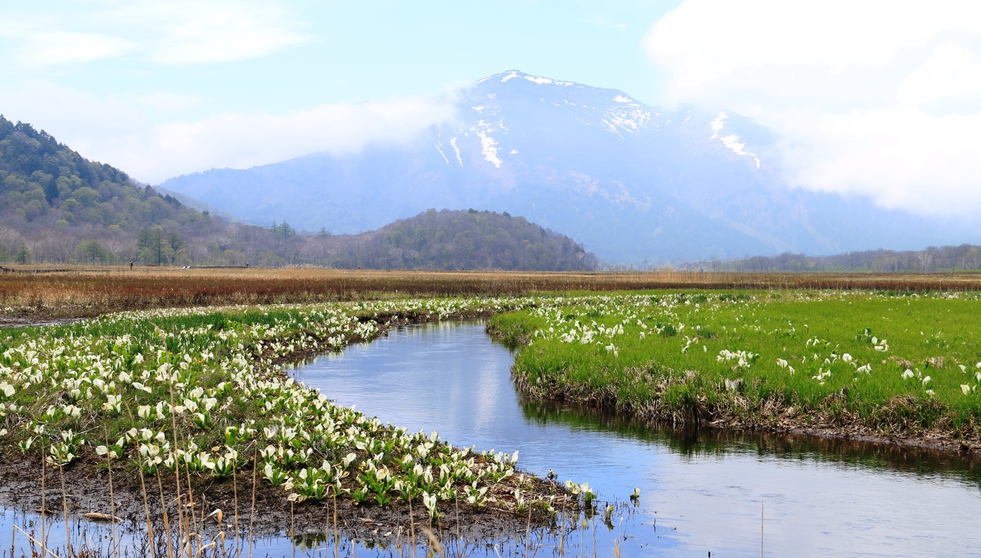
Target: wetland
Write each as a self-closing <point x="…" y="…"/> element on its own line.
<point x="695" y="398"/>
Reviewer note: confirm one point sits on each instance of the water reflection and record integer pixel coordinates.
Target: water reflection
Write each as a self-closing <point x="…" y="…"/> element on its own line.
<point x="692" y="442"/>
<point x="700" y="491"/>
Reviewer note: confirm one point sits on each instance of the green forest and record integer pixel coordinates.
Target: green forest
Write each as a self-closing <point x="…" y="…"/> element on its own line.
<point x="453" y="240"/>
<point x="57" y="207"/>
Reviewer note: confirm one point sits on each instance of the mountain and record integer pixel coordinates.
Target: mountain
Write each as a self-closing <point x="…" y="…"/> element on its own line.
<point x="453" y="240"/>
<point x="58" y="207"/>
<point x="633" y="183"/>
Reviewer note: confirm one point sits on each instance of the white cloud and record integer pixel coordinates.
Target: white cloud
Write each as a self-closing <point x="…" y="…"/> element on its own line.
<point x="68" y="47"/>
<point x="166" y="102"/>
<point x="874" y="97"/>
<point x="950" y="73"/>
<point x="240" y="140"/>
<point x="171" y="33"/>
<point x="117" y="130"/>
<point x="195" y="32"/>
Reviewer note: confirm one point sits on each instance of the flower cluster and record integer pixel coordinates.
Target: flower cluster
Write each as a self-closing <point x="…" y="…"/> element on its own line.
<point x="203" y="391"/>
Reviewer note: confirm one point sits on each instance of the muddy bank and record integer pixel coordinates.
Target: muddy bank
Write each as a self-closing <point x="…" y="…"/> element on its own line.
<point x="8" y="322"/>
<point x="87" y="487"/>
<point x="777" y="419"/>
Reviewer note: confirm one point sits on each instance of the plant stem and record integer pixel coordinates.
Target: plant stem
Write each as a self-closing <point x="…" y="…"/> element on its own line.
<point x="64" y="503"/>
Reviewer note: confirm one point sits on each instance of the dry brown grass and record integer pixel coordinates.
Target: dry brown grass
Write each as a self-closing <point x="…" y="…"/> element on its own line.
<point x="37" y="293"/>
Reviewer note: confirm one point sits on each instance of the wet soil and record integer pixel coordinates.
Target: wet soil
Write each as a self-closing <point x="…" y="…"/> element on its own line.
<point x="87" y="491"/>
<point x="8" y="321"/>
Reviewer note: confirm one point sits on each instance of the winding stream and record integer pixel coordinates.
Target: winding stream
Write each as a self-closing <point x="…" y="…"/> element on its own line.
<point x="699" y="493"/>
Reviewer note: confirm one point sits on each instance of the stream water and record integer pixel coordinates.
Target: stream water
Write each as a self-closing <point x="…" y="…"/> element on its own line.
<point x="699" y="493"/>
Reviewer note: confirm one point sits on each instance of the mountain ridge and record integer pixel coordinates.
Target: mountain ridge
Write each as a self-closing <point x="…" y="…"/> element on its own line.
<point x="635" y="184"/>
<point x="58" y="207"/>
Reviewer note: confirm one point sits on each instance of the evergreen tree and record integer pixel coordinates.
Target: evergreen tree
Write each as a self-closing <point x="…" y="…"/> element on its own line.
<point x="23" y="255"/>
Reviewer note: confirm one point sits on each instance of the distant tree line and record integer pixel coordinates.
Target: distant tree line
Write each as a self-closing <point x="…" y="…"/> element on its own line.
<point x="932" y="259"/>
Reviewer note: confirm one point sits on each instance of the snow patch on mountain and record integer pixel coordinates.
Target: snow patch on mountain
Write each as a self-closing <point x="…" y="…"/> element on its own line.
<point x="443" y="154"/>
<point x="489" y="149"/>
<point x="626" y="100"/>
<point x="534" y="79"/>
<point x="632" y="121"/>
<point x="731" y="141"/>
<point x="457" y="149"/>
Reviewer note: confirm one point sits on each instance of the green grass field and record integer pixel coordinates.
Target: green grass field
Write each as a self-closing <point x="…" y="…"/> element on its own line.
<point x="893" y="365"/>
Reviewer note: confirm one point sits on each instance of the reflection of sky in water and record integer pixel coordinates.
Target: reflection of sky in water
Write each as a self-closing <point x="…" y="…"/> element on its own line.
<point x="425" y="378"/>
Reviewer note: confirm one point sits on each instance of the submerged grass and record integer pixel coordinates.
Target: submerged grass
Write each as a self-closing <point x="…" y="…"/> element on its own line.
<point x="902" y="365"/>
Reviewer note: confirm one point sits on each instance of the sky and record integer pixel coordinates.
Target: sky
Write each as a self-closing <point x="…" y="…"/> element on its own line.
<point x="869" y="97"/>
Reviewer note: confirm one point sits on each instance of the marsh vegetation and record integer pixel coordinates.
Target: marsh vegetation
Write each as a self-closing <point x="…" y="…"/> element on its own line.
<point x="902" y="366"/>
<point x="186" y="410"/>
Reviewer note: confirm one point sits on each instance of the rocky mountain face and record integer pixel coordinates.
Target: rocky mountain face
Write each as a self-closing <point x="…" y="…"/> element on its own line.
<point x="634" y="184"/>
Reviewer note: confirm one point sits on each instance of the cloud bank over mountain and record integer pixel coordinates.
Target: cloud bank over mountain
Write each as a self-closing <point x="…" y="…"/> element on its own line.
<point x="634" y="183"/>
<point x="117" y="129"/>
<point x="871" y="98"/>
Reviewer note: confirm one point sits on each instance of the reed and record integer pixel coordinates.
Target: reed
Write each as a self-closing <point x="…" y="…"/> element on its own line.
<point x="112" y="498"/>
<point x="44" y="511"/>
<point x="80" y="292"/>
<point x="64" y="504"/>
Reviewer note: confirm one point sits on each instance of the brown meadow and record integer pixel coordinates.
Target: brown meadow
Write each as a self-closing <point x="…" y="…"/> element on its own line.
<point x="37" y="293"/>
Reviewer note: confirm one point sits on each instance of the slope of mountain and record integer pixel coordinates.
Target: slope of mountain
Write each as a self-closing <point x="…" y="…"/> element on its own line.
<point x="57" y="207"/>
<point x="634" y="183"/>
<point x="453" y="240"/>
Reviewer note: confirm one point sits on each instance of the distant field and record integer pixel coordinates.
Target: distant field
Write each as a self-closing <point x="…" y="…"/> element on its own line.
<point x="37" y="293"/>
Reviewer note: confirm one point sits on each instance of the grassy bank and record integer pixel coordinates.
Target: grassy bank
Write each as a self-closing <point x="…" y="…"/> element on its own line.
<point x="847" y="363"/>
<point x="181" y="400"/>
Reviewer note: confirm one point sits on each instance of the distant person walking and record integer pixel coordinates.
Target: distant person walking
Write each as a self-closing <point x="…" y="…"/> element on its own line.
<point x="131" y="265"/>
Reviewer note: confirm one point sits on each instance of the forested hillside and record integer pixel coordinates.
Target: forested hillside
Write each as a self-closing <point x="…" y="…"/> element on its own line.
<point x="455" y="240"/>
<point x="57" y="207"/>
<point x="945" y="258"/>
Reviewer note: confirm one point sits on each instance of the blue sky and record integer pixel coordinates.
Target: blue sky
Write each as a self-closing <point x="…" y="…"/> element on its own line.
<point x="871" y="97"/>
